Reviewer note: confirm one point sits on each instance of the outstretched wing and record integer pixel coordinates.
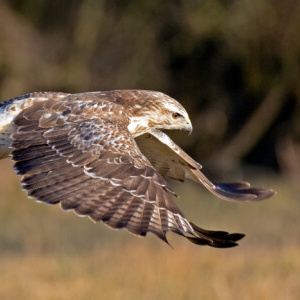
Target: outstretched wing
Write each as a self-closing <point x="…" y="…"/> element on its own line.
<point x="71" y="154"/>
<point x="171" y="161"/>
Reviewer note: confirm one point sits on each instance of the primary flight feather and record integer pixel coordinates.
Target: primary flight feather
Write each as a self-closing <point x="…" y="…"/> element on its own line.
<point x="101" y="154"/>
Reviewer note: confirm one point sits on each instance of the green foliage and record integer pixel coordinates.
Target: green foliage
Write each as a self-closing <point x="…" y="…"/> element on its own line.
<point x="229" y="62"/>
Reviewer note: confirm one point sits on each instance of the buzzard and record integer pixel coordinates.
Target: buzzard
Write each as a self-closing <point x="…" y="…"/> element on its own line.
<point x="102" y="155"/>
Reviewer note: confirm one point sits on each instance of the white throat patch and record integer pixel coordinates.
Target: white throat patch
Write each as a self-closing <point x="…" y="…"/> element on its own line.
<point x="136" y="122"/>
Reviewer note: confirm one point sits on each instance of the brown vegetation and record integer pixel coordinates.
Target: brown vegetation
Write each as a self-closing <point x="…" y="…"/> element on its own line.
<point x="50" y="254"/>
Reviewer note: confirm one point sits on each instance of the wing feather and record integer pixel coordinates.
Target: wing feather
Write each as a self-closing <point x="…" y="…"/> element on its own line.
<point x="90" y="163"/>
<point x="173" y="162"/>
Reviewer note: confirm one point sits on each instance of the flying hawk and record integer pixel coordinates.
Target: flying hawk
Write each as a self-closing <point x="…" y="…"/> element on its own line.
<point x="102" y="155"/>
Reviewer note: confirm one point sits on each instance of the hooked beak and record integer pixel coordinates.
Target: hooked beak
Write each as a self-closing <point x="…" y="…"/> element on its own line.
<point x="188" y="127"/>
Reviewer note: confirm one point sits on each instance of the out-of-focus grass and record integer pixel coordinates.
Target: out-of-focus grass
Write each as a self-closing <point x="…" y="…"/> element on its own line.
<point x="142" y="271"/>
<point x="49" y="254"/>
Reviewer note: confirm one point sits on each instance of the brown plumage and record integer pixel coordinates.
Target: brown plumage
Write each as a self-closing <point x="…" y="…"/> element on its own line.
<point x="102" y="155"/>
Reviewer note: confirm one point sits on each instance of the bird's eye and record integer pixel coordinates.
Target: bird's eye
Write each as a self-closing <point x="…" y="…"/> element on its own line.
<point x="176" y="115"/>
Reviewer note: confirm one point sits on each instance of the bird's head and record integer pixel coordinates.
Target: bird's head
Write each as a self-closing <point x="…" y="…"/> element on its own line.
<point x="162" y="112"/>
<point x="173" y="115"/>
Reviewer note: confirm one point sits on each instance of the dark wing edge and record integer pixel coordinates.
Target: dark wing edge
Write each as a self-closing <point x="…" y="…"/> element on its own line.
<point x="217" y="239"/>
<point x="59" y="165"/>
<point x="171" y="161"/>
<point x="234" y="191"/>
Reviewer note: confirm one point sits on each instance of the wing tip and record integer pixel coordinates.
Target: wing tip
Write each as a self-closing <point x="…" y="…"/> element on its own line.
<point x="216" y="239"/>
<point x="242" y="191"/>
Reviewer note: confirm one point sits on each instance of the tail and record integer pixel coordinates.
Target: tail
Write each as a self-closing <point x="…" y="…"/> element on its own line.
<point x="10" y="108"/>
<point x="5" y="140"/>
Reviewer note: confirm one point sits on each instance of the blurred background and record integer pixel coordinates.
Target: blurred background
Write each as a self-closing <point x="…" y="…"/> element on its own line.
<point x="234" y="65"/>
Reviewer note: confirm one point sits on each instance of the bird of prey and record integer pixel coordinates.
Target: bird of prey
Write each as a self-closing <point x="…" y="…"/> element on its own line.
<point x="103" y="155"/>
